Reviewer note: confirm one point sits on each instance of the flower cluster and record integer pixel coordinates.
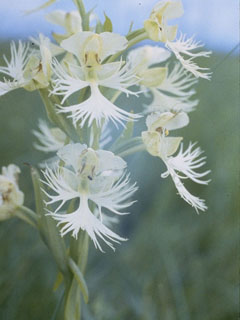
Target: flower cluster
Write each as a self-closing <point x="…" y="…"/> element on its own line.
<point x="80" y="77"/>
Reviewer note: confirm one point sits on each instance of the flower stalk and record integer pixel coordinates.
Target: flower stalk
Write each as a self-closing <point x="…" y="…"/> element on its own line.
<point x="55" y="117"/>
<point x="85" y="16"/>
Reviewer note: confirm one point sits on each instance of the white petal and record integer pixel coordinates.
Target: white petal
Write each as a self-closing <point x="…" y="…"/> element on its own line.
<point x="19" y="57"/>
<point x="169" y="146"/>
<point x="183" y="166"/>
<point x="145" y="56"/>
<point x="173" y="10"/>
<point x="195" y="202"/>
<point x="15" y="68"/>
<point x="11" y="172"/>
<point x="185" y="46"/>
<point x="74" y="21"/>
<point x="9" y="187"/>
<point x="70" y="154"/>
<point x="84" y="219"/>
<point x="66" y="84"/>
<point x="71" y="21"/>
<point x="167" y="120"/>
<point x="48" y="142"/>
<point x="98" y="108"/>
<point x="120" y="78"/>
<point x="178" y="82"/>
<point x="56" y="17"/>
<point x="109" y="162"/>
<point x="8" y="86"/>
<point x="108" y="69"/>
<point x="112" y="43"/>
<point x="45" y="41"/>
<point x="107" y="44"/>
<point x="186" y="162"/>
<point x="62" y="188"/>
<point x="163" y="103"/>
<point x="115" y="198"/>
<point x="75" y="43"/>
<point x="180" y="120"/>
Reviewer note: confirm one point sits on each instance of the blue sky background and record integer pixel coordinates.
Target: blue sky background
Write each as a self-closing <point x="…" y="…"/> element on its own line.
<point x="215" y="22"/>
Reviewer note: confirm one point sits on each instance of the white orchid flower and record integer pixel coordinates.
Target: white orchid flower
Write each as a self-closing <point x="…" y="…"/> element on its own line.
<point x="157" y="25"/>
<point x="28" y="68"/>
<point x="146" y="56"/>
<point x="183" y="165"/>
<point x="70" y="21"/>
<point x="97" y="179"/>
<point x="163" y="102"/>
<point x="91" y="50"/>
<point x="49" y="139"/>
<point x="10" y="194"/>
<point x="171" y="89"/>
<point x="158" y="30"/>
<point x="43" y="42"/>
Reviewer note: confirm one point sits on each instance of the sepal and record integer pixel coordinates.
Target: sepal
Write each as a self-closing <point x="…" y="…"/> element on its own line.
<point x="107" y="26"/>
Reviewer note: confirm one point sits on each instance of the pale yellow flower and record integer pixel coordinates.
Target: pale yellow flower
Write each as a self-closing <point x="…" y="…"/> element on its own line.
<point x="10" y="195"/>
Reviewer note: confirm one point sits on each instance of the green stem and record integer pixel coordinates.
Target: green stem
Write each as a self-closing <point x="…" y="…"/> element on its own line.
<point x="79" y="278"/>
<point x="26" y="215"/>
<point x="96" y="135"/>
<point x="78" y="253"/>
<point x="51" y="110"/>
<point x="58" y="119"/>
<point x="134" y="34"/>
<point x="116" y="95"/>
<point x="132" y="150"/>
<point x="83" y="258"/>
<point x="84" y="15"/>
<point x="142" y="36"/>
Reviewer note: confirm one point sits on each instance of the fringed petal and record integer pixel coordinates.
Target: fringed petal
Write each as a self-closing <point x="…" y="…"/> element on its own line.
<point x="185" y="46"/>
<point x="97" y="108"/>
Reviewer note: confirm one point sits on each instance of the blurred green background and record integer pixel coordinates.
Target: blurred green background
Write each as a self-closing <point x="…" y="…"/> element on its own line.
<point x="176" y="264"/>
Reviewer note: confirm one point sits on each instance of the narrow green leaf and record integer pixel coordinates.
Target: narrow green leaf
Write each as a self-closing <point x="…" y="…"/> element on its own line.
<point x="47" y="226"/>
<point x="79" y="277"/>
<point x="84" y="15"/>
<point x="129" y="147"/>
<point x="132" y="150"/>
<point x="43" y="6"/>
<point x="107" y="26"/>
<point x="130" y="27"/>
<point x="72" y="310"/>
<point x="99" y="27"/>
<point x="126" y="134"/>
<point x="134" y="34"/>
<point x="58" y="281"/>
